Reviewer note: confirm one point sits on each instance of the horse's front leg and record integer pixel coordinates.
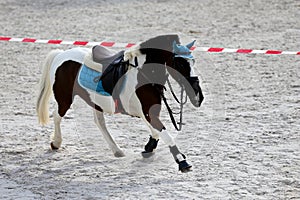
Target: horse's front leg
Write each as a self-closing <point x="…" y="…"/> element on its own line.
<point x="158" y="130"/>
<point x="152" y="143"/>
<point x="179" y="157"/>
<point x="100" y="122"/>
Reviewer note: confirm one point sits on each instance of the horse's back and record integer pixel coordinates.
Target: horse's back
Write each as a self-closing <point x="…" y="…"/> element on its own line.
<point x="75" y="54"/>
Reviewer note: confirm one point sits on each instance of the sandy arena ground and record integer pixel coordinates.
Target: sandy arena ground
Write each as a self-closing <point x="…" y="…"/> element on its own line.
<point x="244" y="142"/>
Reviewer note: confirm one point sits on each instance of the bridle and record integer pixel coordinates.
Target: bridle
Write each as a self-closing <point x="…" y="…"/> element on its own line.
<point x="181" y="103"/>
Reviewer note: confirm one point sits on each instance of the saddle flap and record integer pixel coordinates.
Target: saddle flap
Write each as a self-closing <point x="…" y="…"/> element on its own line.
<point x="113" y="72"/>
<point x="89" y="62"/>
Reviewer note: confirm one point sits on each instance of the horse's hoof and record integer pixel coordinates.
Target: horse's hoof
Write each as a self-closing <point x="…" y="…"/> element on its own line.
<point x="184" y="166"/>
<point x="151" y="145"/>
<point x="146" y="154"/>
<point x="53" y="147"/>
<point x="119" y="154"/>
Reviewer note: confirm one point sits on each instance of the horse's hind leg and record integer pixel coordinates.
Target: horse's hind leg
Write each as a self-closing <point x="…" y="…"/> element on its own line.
<point x="63" y="107"/>
<point x="56" y="139"/>
<point x="64" y="94"/>
<point x="100" y="122"/>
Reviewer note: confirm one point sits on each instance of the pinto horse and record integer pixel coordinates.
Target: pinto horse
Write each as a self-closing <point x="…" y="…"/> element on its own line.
<point x="138" y="92"/>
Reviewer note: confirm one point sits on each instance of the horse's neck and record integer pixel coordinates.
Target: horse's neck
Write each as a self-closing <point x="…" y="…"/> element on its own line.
<point x="158" y="56"/>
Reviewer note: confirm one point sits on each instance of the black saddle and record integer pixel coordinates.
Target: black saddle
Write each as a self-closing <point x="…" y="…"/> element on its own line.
<point x="113" y="71"/>
<point x="105" y="56"/>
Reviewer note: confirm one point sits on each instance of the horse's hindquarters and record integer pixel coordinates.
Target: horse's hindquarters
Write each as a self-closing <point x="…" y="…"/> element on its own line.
<point x="75" y="54"/>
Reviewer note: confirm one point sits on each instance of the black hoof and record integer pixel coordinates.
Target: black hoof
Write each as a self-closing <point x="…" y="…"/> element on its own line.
<point x="119" y="154"/>
<point x="53" y="147"/>
<point x="184" y="166"/>
<point x="146" y="154"/>
<point x="151" y="145"/>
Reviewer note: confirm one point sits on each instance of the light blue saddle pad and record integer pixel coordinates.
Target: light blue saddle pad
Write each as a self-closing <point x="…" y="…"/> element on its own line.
<point x="86" y="80"/>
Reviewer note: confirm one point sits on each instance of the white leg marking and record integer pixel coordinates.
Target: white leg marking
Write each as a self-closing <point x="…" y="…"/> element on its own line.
<point x="56" y="137"/>
<point x="154" y="132"/>
<point x="167" y="138"/>
<point x="164" y="135"/>
<point x="100" y="122"/>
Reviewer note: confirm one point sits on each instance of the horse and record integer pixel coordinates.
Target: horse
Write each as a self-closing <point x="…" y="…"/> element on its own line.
<point x="131" y="82"/>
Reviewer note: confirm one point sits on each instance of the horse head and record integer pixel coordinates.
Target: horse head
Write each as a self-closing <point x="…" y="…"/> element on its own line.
<point x="183" y="72"/>
<point x="165" y="52"/>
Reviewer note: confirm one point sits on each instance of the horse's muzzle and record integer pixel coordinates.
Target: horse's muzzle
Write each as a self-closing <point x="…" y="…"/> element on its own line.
<point x="195" y="92"/>
<point x="197" y="100"/>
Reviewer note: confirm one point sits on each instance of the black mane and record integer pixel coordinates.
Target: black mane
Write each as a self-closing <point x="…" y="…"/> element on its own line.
<point x="162" y="42"/>
<point x="159" y="49"/>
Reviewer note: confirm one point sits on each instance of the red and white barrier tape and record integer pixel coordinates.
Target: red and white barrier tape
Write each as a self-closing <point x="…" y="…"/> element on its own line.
<point x="127" y="45"/>
<point x="79" y="43"/>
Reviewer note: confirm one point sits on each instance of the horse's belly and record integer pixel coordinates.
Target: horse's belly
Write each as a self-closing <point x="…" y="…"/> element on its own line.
<point x="131" y="105"/>
<point x="105" y="102"/>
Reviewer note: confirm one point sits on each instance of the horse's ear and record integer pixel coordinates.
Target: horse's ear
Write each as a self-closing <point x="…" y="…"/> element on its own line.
<point x="175" y="47"/>
<point x="190" y="44"/>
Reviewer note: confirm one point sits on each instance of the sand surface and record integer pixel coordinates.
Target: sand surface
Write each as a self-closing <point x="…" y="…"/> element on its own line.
<point x="244" y="142"/>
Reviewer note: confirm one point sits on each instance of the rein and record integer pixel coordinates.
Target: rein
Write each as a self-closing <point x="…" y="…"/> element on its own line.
<point x="172" y="91"/>
<point x="181" y="103"/>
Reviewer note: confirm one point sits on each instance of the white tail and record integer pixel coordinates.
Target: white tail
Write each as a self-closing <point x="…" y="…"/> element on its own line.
<point x="45" y="90"/>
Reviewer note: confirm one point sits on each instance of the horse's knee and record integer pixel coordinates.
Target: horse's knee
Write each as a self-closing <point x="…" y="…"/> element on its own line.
<point x="153" y="117"/>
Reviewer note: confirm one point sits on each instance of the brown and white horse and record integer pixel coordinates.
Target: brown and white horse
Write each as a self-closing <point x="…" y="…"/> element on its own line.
<point x="141" y="88"/>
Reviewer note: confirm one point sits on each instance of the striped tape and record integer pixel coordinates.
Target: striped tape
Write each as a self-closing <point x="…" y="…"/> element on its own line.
<point x="127" y="45"/>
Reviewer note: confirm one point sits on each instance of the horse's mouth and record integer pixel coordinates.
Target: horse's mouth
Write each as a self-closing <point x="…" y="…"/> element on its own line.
<point x="197" y="100"/>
